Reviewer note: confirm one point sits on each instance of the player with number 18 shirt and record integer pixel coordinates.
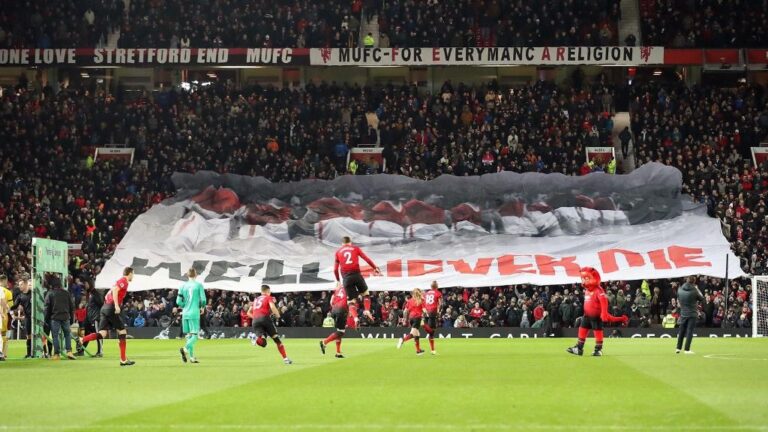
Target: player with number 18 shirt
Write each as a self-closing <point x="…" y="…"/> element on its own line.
<point x="339" y="312"/>
<point x="433" y="300"/>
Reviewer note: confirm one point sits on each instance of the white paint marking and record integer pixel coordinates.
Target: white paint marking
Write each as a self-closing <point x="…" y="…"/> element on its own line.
<point x="368" y="426"/>
<point x="732" y="357"/>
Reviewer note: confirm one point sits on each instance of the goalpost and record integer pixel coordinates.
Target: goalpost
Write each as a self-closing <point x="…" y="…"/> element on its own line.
<point x="48" y="256"/>
<point x="759" y="306"/>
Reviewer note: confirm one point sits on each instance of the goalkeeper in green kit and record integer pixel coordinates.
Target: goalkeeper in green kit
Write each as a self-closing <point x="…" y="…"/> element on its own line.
<point x="191" y="299"/>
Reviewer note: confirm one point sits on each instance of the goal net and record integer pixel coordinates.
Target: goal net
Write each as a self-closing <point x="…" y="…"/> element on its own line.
<point x="760" y="306"/>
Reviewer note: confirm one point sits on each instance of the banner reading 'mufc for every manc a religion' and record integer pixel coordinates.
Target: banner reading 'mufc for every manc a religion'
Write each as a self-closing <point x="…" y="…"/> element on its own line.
<point x="497" y="229"/>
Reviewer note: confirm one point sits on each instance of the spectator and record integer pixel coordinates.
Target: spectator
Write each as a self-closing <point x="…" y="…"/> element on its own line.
<point x="477" y="312"/>
<point x="461" y="322"/>
<point x="139" y="321"/>
<point x="525" y="318"/>
<point x="328" y="321"/>
<point x="80" y="314"/>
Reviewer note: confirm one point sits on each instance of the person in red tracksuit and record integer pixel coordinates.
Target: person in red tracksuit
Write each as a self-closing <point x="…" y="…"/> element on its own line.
<point x="595" y="312"/>
<point x="347" y="269"/>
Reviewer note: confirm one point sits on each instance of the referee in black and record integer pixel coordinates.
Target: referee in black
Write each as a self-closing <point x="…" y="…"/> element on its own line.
<point x="687" y="297"/>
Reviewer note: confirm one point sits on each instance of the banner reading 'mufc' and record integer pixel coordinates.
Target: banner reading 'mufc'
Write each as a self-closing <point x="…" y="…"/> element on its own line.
<point x="498" y="229"/>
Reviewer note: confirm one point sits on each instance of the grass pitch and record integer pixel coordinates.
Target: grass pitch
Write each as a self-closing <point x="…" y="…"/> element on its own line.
<point x="472" y="385"/>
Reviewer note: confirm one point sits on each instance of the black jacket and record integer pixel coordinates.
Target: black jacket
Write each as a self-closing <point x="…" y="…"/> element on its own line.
<point x="23" y="300"/>
<point x="95" y="302"/>
<point x="687" y="296"/>
<point x="59" y="305"/>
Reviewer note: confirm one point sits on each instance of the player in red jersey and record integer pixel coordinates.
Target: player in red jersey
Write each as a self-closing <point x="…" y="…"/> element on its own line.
<point x="347" y="269"/>
<point x="595" y="312"/>
<point x="414" y="309"/>
<point x="261" y="313"/>
<point x="110" y="316"/>
<point x="339" y="312"/>
<point x="433" y="301"/>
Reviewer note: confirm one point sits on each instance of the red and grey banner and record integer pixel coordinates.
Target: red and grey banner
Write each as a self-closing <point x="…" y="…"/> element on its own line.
<point x="497" y="229"/>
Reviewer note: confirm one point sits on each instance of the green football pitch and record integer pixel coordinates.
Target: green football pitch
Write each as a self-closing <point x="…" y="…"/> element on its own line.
<point x="472" y="385"/>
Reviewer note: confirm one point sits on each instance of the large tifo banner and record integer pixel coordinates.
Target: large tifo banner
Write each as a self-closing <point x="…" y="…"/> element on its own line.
<point x="444" y="56"/>
<point x="497" y="229"/>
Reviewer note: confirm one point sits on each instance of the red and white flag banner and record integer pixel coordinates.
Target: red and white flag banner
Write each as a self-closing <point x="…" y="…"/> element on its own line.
<point x="498" y="229"/>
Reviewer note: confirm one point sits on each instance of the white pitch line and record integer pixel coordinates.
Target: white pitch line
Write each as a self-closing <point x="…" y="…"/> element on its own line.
<point x="368" y="426"/>
<point x="732" y="357"/>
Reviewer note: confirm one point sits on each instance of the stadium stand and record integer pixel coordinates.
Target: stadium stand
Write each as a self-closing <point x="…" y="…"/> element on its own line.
<point x="336" y="23"/>
<point x="232" y="23"/>
<point x="61" y="24"/>
<point x="51" y="187"/>
<point x="704" y="23"/>
<point x="498" y="23"/>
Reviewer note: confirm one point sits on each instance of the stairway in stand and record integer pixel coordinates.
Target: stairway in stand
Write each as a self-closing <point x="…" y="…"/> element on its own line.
<point x="369" y="27"/>
<point x="630" y="22"/>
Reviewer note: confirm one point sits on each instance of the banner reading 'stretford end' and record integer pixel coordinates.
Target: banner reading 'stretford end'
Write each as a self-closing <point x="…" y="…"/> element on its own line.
<point x="497" y="229"/>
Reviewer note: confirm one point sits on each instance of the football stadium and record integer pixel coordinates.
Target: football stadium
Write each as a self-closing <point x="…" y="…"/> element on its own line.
<point x="383" y="215"/>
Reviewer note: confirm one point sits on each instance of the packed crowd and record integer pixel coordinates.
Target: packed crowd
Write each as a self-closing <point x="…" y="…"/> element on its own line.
<point x="59" y="24"/>
<point x="704" y="23"/>
<point x="236" y="23"/>
<point x="499" y="23"/>
<point x="302" y="23"/>
<point x="707" y="134"/>
<point x="337" y="23"/>
<point x="645" y="303"/>
<point x="50" y="186"/>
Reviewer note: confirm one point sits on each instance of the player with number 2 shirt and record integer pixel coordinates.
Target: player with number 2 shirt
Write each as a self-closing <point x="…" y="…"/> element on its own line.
<point x="347" y="269"/>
